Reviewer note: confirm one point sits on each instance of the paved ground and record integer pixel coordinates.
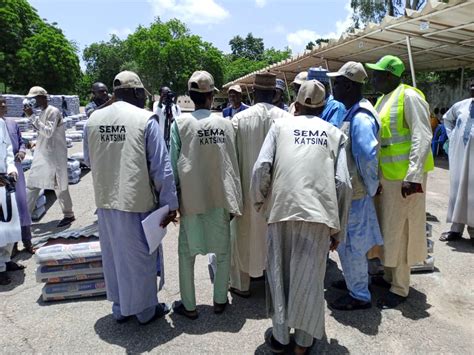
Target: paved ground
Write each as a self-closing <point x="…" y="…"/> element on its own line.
<point x="438" y="318"/>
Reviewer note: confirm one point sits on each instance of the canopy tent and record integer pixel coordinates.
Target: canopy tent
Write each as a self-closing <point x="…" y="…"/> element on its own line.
<point x="439" y="37"/>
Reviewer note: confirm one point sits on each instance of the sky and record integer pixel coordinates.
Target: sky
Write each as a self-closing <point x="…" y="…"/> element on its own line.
<point x="279" y="23"/>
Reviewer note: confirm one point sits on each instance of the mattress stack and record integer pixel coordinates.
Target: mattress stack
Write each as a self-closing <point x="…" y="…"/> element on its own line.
<point x="68" y="122"/>
<point x="40" y="208"/>
<point x="24" y="124"/>
<point x="75" y="136"/>
<point x="428" y="264"/>
<point x="80" y="158"/>
<point x="73" y="171"/>
<point x="72" y="102"/>
<point x="70" y="271"/>
<point x="26" y="163"/>
<point x="80" y="125"/>
<point x="78" y="117"/>
<point x="14" y="104"/>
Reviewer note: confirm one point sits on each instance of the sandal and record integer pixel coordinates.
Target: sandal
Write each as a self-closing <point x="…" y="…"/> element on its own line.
<point x="12" y="266"/>
<point x="4" y="279"/>
<point x="448" y="236"/>
<point x="178" y="308"/>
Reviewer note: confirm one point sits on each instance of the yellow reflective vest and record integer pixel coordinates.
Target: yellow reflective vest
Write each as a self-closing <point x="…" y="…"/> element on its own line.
<point x="395" y="137"/>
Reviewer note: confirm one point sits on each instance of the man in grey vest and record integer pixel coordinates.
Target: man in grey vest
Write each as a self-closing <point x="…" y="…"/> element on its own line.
<point x="361" y="124"/>
<point x="301" y="182"/>
<point x="204" y="160"/>
<point x="132" y="177"/>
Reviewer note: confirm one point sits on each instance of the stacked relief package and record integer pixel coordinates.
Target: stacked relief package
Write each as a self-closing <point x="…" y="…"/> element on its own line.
<point x="73" y="171"/>
<point x="70" y="271"/>
<point x="40" y="208"/>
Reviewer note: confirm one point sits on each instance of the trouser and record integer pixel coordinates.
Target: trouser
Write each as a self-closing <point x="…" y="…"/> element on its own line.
<point x="281" y="332"/>
<point x="64" y="199"/>
<point x="459" y="228"/>
<point x="26" y="234"/>
<point x="399" y="276"/>
<point x="355" y="267"/>
<point x="186" y="276"/>
<point x="142" y="317"/>
<point x="5" y="255"/>
<point x="239" y="279"/>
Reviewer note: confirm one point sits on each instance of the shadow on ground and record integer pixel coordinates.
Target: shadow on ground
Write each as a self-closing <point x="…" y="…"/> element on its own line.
<point x="135" y="338"/>
<point x="464" y="245"/>
<point x="17" y="277"/>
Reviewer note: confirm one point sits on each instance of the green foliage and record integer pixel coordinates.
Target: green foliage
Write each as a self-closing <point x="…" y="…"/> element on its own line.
<point x="165" y="53"/>
<point x="33" y="52"/>
<point x="312" y="44"/>
<point x="249" y="55"/>
<point x="251" y="47"/>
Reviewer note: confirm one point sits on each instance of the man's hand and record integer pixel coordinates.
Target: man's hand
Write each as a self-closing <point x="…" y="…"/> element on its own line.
<point x="409" y="188"/>
<point x="19" y="157"/>
<point x="334" y="244"/>
<point x="28" y="111"/>
<point x="171" y="217"/>
<point x="14" y="176"/>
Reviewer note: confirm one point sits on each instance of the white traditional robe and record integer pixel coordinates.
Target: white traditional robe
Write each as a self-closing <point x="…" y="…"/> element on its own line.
<point x="459" y="122"/>
<point x="249" y="230"/>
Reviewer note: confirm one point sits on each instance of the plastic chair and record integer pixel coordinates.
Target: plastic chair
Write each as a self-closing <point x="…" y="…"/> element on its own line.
<point x="439" y="138"/>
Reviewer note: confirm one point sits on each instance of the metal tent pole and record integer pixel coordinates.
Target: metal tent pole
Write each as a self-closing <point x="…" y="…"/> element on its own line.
<point x="286" y="84"/>
<point x="327" y="68"/>
<point x="410" y="57"/>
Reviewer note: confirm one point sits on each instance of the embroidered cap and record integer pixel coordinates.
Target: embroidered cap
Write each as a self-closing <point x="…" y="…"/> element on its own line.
<point x="265" y="81"/>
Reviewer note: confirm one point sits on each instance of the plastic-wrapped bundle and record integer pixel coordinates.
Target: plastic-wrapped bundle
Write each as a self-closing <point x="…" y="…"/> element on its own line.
<point x="68" y="254"/>
<point x="29" y="135"/>
<point x="41" y="201"/>
<point x="68" y="273"/>
<point x="78" y="156"/>
<point x="24" y="124"/>
<point x="72" y="290"/>
<point x="68" y="122"/>
<point x="14" y="104"/>
<point x="72" y="165"/>
<point x="78" y="117"/>
<point x="69" y="142"/>
<point x="80" y="125"/>
<point x="74" y="136"/>
<point x="26" y="163"/>
<point x="38" y="213"/>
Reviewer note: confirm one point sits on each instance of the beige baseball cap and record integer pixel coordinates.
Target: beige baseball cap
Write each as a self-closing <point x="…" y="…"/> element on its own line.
<point x="127" y="80"/>
<point x="353" y="71"/>
<point x="312" y="94"/>
<point x="204" y="82"/>
<point x="300" y="78"/>
<point x="235" y="88"/>
<point x="36" y="91"/>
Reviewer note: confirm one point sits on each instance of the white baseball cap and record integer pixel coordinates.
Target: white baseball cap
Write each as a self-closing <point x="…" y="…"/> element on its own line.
<point x="203" y="82"/>
<point x="353" y="71"/>
<point x="235" y="88"/>
<point x="36" y="91"/>
<point x="127" y="80"/>
<point x="312" y="94"/>
<point x="300" y="78"/>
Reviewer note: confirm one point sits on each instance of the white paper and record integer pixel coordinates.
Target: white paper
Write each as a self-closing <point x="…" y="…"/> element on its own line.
<point x="151" y="226"/>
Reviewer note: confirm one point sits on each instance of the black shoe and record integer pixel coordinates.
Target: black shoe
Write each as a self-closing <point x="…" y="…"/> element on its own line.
<point x="391" y="300"/>
<point x="162" y="309"/>
<point x="66" y="221"/>
<point x="220" y="307"/>
<point x="349" y="303"/>
<point x="15" y="250"/>
<point x="380" y="281"/>
<point x="275" y="346"/>
<point x="243" y="294"/>
<point x="340" y="285"/>
<point x="447" y="236"/>
<point x="12" y="266"/>
<point x="4" y="279"/>
<point x="28" y="247"/>
<point x="178" y="308"/>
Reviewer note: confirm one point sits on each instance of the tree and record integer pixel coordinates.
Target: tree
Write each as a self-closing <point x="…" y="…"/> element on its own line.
<point x="366" y="11"/>
<point x="312" y="44"/>
<point x="33" y="52"/>
<point x="251" y="47"/>
<point x="164" y="53"/>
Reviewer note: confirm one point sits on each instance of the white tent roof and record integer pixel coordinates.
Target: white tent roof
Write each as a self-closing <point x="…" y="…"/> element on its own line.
<point x="441" y="37"/>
